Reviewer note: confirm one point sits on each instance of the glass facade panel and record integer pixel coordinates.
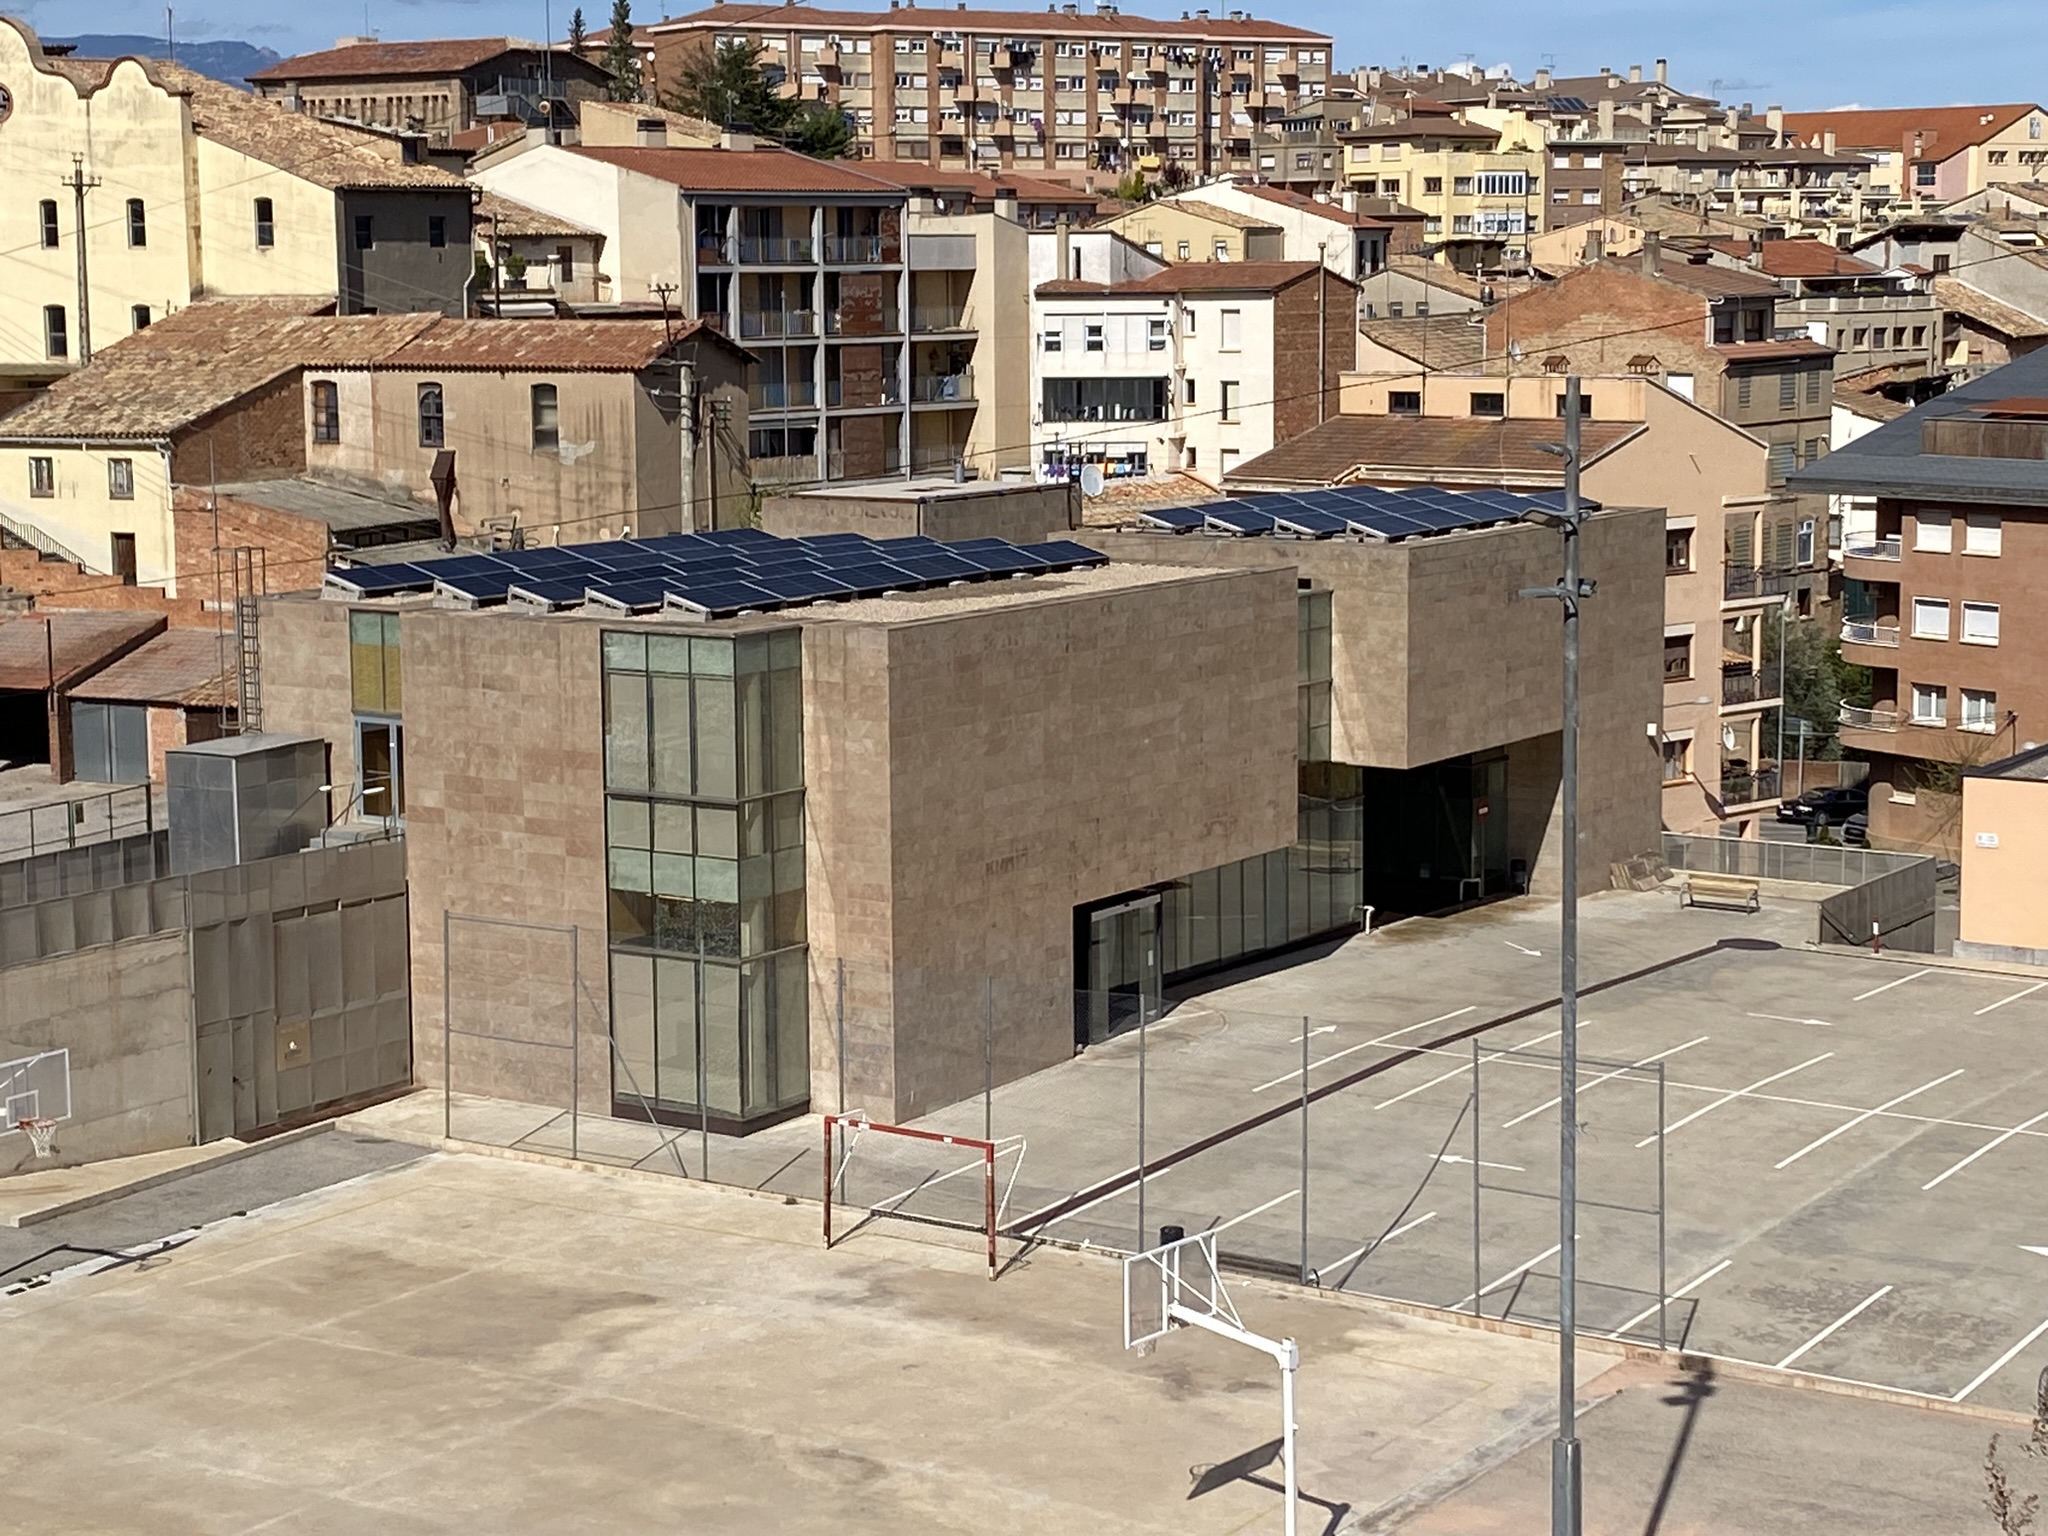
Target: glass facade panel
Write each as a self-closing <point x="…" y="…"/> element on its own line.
<point x="675" y="1032"/>
<point x="633" y="1022"/>
<point x="717" y="763"/>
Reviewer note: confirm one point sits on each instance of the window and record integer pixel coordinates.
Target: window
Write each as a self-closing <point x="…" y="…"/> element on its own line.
<point x="138" y="224"/>
<point x="437" y="231"/>
<point x="1932" y="531"/>
<point x="1432" y="186"/>
<point x="1231" y="327"/>
<point x="48" y="211"/>
<point x="138" y="317"/>
<point x="1803" y="548"/>
<point x="1930" y="618"/>
<point x="1585" y="406"/>
<point x="1155" y="335"/>
<point x="1743" y="386"/>
<point x="1919" y="336"/>
<point x="1981" y="534"/>
<point x="1486" y="403"/>
<point x="375" y="682"/>
<point x="546" y="411"/>
<point x="56" y="338"/>
<point x="42" y="476"/>
<point x="1677" y="551"/>
<point x="1788" y="390"/>
<point x="1190" y="390"/>
<point x="1677" y="760"/>
<point x="1923" y="174"/>
<point x="1230" y="391"/>
<point x="1190" y="459"/>
<point x="326" y="412"/>
<point x="1930" y="704"/>
<point x="1227" y="459"/>
<point x="1980" y="710"/>
<point x="1980" y="623"/>
<point x="1091" y="337"/>
<point x="1943" y="261"/>
<point x="1860" y="337"/>
<point x="1780" y="462"/>
<point x="1813" y="379"/>
<point x="433" y="433"/>
<point x="565" y="264"/>
<point x="1050" y="341"/>
<point x="1393" y="309"/>
<point x="1220" y="251"/>
<point x="121" y="479"/>
<point x="1677" y="658"/>
<point x="366" y="238"/>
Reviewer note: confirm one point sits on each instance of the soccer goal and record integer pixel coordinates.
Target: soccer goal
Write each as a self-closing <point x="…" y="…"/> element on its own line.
<point x="879" y="1172"/>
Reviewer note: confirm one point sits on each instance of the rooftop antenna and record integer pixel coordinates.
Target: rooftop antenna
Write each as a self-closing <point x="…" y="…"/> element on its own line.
<point x="171" y="34"/>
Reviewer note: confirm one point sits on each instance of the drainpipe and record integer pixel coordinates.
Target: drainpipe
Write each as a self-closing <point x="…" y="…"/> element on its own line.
<point x="686" y="424"/>
<point x="1322" y="331"/>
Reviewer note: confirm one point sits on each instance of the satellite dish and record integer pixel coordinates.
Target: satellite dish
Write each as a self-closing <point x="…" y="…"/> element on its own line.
<point x="1091" y="479"/>
<point x="1728" y="737"/>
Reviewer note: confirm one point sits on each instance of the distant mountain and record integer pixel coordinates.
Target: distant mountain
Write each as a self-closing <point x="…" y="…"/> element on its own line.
<point x="225" y="60"/>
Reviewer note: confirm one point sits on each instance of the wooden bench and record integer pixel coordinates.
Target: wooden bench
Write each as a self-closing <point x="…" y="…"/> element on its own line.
<point x="1720" y="891"/>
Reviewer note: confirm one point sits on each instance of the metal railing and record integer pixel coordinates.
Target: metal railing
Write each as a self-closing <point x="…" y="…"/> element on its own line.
<point x="58" y="824"/>
<point x="1866" y="632"/>
<point x="844" y="250"/>
<point x="792" y="395"/>
<point x="756" y="250"/>
<point x="885" y="322"/>
<point x="1765" y="581"/>
<point x="883" y="391"/>
<point x="941" y="317"/>
<point x="34" y="538"/>
<point x="1747" y="688"/>
<point x="1751" y="788"/>
<point x="778" y="322"/>
<point x="944" y="388"/>
<point x="1866" y="548"/>
<point x="1869" y="719"/>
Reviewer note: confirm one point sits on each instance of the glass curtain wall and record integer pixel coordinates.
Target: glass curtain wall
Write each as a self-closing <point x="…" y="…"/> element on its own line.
<point x="704" y="842"/>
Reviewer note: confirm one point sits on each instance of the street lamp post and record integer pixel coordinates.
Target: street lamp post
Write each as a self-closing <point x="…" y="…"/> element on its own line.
<point x="1570" y="591"/>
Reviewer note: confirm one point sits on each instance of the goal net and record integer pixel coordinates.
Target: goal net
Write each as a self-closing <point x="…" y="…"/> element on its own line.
<point x="879" y="1172"/>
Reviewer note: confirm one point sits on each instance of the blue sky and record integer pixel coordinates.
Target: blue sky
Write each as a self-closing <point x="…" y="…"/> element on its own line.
<point x="1802" y="53"/>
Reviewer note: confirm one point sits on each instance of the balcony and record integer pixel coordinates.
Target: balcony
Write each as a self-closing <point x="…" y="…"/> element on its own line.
<point x="862" y="395"/>
<point x="883" y="322"/>
<point x="927" y="319"/>
<point x="1760" y="787"/>
<point x="944" y="389"/>
<point x="1868" y="632"/>
<point x="1738" y="585"/>
<point x="792" y="395"/>
<point x="1741" y="690"/>
<point x="1867" y="547"/>
<point x="778" y="250"/>
<point x="771" y="323"/>
<point x="852" y="250"/>
<point x="1869" y="719"/>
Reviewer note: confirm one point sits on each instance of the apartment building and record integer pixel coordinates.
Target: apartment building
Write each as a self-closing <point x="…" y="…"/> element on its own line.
<point x="1941" y="601"/>
<point x="1989" y="277"/>
<point x="1299" y="150"/>
<point x="1188" y="228"/>
<point x="1824" y="192"/>
<point x="1196" y="368"/>
<point x="1928" y="156"/>
<point x="1337" y="230"/>
<point x="1478" y="188"/>
<point x="539" y="262"/>
<point x="1641" y="445"/>
<point x="192" y="188"/>
<point x="1710" y="333"/>
<point x="1081" y="93"/>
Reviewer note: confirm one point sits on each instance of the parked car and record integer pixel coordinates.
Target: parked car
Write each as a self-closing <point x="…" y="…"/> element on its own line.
<point x="1856" y="831"/>
<point x="1828" y="807"/>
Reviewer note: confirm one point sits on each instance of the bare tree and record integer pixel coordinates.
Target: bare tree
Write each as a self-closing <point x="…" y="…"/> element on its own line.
<point x="2015" y="1513"/>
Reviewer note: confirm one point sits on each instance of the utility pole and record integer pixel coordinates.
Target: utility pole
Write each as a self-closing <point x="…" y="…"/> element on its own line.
<point x="81" y="184"/>
<point x="1322" y="331"/>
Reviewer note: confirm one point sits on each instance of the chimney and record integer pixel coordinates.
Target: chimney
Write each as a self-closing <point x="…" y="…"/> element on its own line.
<point x="1663" y="72"/>
<point x="1827" y="142"/>
<point x="736" y="139"/>
<point x="1006" y="204"/>
<point x="1774" y="119"/>
<point x="1605" y="71"/>
<point x="1607" y="121"/>
<point x="1613" y="80"/>
<point x="1542" y="80"/>
<point x="1635" y="74"/>
<point x="1653" y="252"/>
<point x="1351" y="199"/>
<point x="1061" y="242"/>
<point x="1594" y="244"/>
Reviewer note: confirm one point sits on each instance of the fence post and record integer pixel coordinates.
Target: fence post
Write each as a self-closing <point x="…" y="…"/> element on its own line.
<point x="575" y="1044"/>
<point x="447" y="1032"/>
<point x="1663" y="1283"/>
<point x="1477" y="1303"/>
<point x="988" y="1059"/>
<point x="1304" y="1149"/>
<point x="839" y="1013"/>
<point x="1142" y="1024"/>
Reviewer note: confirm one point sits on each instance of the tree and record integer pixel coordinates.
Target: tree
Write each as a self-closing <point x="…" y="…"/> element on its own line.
<point x="730" y="86"/>
<point x="1817" y="683"/>
<point x="821" y="131"/>
<point x="1174" y="177"/>
<point x="621" y="59"/>
<point x="577" y="35"/>
<point x="1131" y="188"/>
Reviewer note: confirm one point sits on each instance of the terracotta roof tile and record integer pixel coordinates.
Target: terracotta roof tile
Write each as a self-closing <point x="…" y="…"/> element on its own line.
<point x="731" y="170"/>
<point x="509" y="216"/>
<point x="1966" y="301"/>
<point x="367" y="61"/>
<point x="1810" y="258"/>
<point x="1945" y="130"/>
<point x="180" y="666"/>
<point x="1336" y="213"/>
<point x="1441" y="450"/>
<point x="1771" y="351"/>
<point x="1439" y="343"/>
<point x="63" y="642"/>
<point x="1204" y="276"/>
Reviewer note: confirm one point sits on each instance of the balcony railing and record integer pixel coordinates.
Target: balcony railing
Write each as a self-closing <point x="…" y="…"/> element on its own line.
<point x="941" y="317"/>
<point x="944" y="388"/>
<point x="1747" y="688"/>
<point x="869" y="392"/>
<point x="1865" y="547"/>
<point x="1750" y="788"/>
<point x="778" y="322"/>
<point x="759" y="250"/>
<point x="1864" y="632"/>
<point x="1762" y="582"/>
<point x="881" y="322"/>
<point x="847" y="250"/>
<point x="792" y="395"/>
<point x="1869" y="719"/>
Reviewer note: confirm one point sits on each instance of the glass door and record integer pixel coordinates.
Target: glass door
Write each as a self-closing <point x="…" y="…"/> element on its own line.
<point x="1121" y="974"/>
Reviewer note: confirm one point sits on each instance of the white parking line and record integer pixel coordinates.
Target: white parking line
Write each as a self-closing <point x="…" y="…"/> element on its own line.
<point x="1915" y="976"/>
<point x="1997" y="1141"/>
<point x="1549" y="1104"/>
<point x="1850" y="1109"/>
<point x="1781" y="1018"/>
<point x="2000" y="1363"/>
<point x="1406" y="1029"/>
<point x="2023" y="991"/>
<point x="1736" y="1093"/>
<point x="1365" y="1248"/>
<point x="1684" y="1290"/>
<point x="1467" y="1068"/>
<point x="1494" y="1285"/>
<point x="1850" y="1125"/>
<point x="1828" y="1332"/>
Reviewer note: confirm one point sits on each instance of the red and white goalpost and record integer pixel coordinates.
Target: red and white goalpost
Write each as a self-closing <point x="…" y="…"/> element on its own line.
<point x="901" y="1173"/>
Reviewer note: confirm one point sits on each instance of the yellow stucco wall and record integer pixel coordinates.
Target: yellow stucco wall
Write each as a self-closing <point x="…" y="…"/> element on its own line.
<point x="2005" y="862"/>
<point x="81" y="516"/>
<point x="304" y="256"/>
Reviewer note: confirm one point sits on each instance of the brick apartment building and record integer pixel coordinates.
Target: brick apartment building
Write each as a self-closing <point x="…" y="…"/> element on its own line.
<point x="1942" y="601"/>
<point x="1082" y="93"/>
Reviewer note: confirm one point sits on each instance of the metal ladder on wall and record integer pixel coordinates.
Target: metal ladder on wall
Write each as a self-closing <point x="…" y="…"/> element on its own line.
<point x="246" y="566"/>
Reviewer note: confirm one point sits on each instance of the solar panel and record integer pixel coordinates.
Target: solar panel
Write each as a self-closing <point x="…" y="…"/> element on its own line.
<point x="720" y="599"/>
<point x="1008" y="561"/>
<point x="1238" y="517"/>
<point x="939" y="565"/>
<point x="631" y="596"/>
<point x="1172" y="519"/>
<point x="549" y="593"/>
<point x="380" y="580"/>
<point x="793" y="585"/>
<point x="743" y="537"/>
<point x="464" y="565"/>
<point x="1313" y="525"/>
<point x="483" y="587"/>
<point x="1065" y="555"/>
<point x="874" y="577"/>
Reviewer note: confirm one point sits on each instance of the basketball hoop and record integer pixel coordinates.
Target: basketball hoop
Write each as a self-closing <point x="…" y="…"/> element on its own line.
<point x="42" y="1135"/>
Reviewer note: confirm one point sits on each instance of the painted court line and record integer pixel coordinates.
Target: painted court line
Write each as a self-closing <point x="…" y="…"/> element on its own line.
<point x="2000" y="1363"/>
<point x="2023" y="991"/>
<point x="1365" y="1248"/>
<point x="1996" y="1141"/>
<point x="1850" y="1109"/>
<point x="1735" y="1093"/>
<point x="1550" y="1104"/>
<point x="1494" y="1285"/>
<point x="1684" y="1290"/>
<point x="1828" y="1332"/>
<point x="1850" y="1125"/>
<point x="1781" y="1018"/>
<point x="1406" y="1029"/>
<point x="1915" y="976"/>
<point x="1467" y="1068"/>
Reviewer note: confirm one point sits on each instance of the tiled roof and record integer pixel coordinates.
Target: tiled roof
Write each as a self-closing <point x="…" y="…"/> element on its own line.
<point x="1201" y="276"/>
<point x="380" y="60"/>
<point x="1966" y="301"/>
<point x="1810" y="258"/>
<point x="180" y="666"/>
<point x="1336" y="213"/>
<point x="1945" y="130"/>
<point x="1201" y="210"/>
<point x="1432" y="126"/>
<point x="1704" y="278"/>
<point x="984" y="186"/>
<point x="1439" y="343"/>
<point x="1771" y="351"/>
<point x="520" y="346"/>
<point x="1873" y="407"/>
<point x="734" y="170"/>
<point x="509" y="216"/>
<point x="1008" y="23"/>
<point x="62" y="642"/>
<point x="1441" y="449"/>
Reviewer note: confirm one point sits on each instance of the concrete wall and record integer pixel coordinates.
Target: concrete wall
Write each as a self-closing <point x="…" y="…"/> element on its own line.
<point x="2004" y="851"/>
<point x="1023" y="513"/>
<point x="305" y="670"/>
<point x="403" y="271"/>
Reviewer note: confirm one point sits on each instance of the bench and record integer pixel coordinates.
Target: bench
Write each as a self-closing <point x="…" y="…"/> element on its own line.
<point x="1720" y="891"/>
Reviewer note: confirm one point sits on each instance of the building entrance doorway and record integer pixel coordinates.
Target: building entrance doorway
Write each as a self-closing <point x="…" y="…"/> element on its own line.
<point x="1119" y="967"/>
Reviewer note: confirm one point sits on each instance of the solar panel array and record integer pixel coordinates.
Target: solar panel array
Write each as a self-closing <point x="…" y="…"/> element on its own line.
<point x="1356" y="511"/>
<point x="709" y="575"/>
